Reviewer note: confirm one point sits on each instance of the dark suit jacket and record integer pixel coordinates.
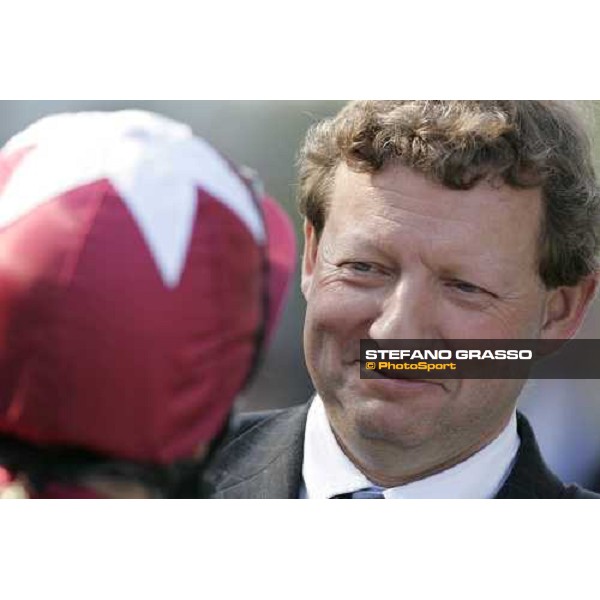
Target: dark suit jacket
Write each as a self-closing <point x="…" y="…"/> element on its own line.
<point x="262" y="458"/>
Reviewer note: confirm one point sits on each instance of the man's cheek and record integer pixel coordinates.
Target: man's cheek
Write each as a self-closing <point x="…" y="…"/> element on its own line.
<point x="342" y="310"/>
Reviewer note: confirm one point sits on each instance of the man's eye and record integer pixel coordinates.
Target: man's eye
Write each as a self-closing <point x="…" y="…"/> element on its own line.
<point x="361" y="267"/>
<point x="358" y="267"/>
<point x="467" y="288"/>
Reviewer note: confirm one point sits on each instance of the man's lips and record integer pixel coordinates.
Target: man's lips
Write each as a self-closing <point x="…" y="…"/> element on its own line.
<point x="406" y="377"/>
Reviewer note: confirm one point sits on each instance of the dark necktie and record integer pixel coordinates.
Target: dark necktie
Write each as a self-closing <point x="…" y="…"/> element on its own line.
<point x="365" y="494"/>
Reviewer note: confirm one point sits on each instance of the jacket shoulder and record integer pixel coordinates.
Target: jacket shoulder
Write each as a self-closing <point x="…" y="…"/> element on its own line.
<point x="260" y="456"/>
<point x="579" y="493"/>
<point x="243" y="422"/>
<point x="530" y="476"/>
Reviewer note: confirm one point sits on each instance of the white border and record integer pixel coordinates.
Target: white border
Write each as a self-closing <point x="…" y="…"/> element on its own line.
<point x="279" y="549"/>
<point x="176" y="49"/>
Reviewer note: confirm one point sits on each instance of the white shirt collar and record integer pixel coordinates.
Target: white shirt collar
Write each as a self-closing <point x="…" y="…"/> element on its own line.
<point x="327" y="471"/>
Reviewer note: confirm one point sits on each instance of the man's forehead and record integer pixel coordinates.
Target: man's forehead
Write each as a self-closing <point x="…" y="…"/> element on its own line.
<point x="399" y="188"/>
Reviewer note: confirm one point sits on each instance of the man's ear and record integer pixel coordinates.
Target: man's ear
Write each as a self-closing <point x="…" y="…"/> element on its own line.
<point x="309" y="258"/>
<point x="566" y="308"/>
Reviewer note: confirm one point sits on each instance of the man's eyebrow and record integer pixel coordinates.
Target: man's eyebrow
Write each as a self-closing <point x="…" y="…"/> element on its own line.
<point x="354" y="242"/>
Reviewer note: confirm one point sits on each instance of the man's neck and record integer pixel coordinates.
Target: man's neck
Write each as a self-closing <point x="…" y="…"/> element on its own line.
<point x="389" y="470"/>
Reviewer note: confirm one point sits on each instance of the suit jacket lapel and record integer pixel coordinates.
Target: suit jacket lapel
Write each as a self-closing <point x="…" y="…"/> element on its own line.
<point x="530" y="477"/>
<point x="264" y="461"/>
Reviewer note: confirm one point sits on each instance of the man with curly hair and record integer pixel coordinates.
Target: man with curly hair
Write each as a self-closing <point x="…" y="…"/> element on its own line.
<point x="428" y="220"/>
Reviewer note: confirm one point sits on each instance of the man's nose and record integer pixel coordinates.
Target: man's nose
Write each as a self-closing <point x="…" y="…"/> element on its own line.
<point x="407" y="312"/>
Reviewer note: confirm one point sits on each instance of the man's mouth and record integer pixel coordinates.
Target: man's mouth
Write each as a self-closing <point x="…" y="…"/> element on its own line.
<point x="404" y="376"/>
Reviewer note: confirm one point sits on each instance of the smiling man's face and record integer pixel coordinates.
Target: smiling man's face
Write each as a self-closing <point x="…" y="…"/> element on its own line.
<point x="401" y="257"/>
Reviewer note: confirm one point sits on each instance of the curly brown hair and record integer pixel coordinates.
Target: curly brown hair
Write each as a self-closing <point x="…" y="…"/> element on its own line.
<point x="459" y="143"/>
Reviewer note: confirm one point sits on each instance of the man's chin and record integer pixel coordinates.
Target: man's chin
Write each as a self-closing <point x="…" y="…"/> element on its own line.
<point x="377" y="420"/>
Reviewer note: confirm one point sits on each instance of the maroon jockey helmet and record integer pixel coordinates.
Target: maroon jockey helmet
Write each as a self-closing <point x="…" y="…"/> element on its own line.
<point x="140" y="272"/>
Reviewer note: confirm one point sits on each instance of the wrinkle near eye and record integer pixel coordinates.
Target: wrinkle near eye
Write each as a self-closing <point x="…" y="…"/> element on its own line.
<point x="469" y="288"/>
